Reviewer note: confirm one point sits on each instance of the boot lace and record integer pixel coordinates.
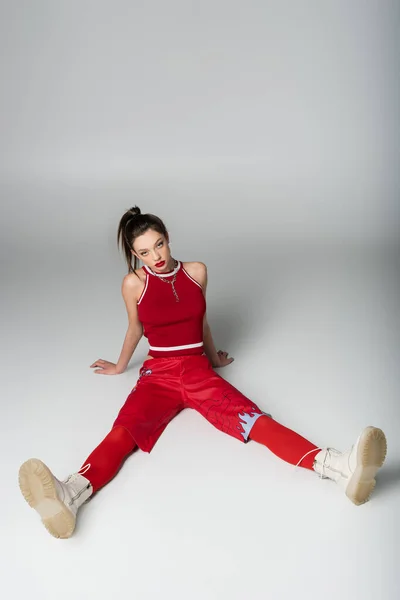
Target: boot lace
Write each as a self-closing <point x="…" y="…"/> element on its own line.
<point x="321" y="476"/>
<point x="74" y="476"/>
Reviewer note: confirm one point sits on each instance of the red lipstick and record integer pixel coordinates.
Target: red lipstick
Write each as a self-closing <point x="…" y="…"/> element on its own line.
<point x="160" y="264"/>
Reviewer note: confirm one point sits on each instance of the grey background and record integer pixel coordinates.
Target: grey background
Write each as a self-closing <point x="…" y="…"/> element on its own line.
<point x="266" y="135"/>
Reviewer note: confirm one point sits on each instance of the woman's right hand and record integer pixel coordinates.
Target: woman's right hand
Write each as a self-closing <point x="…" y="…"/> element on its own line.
<point x="105" y="367"/>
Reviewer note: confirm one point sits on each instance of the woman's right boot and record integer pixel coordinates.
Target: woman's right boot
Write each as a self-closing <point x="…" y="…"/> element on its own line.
<point x="56" y="501"/>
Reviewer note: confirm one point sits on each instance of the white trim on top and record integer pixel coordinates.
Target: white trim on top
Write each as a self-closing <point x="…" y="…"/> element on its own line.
<point x="186" y="347"/>
<point x="144" y="290"/>
<point x="171" y="274"/>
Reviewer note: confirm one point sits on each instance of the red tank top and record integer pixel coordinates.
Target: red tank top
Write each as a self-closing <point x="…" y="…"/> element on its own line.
<point x="172" y="328"/>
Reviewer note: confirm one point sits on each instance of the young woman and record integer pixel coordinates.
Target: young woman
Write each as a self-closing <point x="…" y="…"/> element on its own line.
<point x="166" y="302"/>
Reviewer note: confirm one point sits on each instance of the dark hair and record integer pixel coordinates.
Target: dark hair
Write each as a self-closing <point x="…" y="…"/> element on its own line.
<point x="132" y="225"/>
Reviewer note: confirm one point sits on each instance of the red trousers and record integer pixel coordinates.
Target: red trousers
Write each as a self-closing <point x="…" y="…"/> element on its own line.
<point x="168" y="385"/>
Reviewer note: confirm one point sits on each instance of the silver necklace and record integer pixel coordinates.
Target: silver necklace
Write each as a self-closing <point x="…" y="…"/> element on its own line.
<point x="171" y="281"/>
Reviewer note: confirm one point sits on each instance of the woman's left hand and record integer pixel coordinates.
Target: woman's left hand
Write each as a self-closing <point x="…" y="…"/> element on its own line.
<point x="223" y="359"/>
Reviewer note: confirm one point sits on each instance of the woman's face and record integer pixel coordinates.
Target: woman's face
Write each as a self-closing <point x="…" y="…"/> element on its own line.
<point x="152" y="248"/>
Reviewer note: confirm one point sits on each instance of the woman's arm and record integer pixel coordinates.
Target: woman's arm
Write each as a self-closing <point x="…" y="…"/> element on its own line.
<point x="130" y="288"/>
<point x="132" y="339"/>
<point x="209" y="347"/>
<point x="216" y="358"/>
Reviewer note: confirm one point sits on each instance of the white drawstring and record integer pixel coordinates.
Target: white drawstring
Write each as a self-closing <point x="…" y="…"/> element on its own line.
<point x="74" y="476"/>
<point x="85" y="469"/>
<point x="306" y="454"/>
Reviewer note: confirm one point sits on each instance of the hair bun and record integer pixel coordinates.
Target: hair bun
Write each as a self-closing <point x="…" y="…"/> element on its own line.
<point x="135" y="210"/>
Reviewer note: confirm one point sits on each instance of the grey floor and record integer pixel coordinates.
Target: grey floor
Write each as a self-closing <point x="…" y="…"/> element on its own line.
<point x="315" y="336"/>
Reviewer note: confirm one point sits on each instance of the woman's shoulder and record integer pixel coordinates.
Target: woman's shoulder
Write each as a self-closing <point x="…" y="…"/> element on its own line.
<point x="134" y="282"/>
<point x="197" y="270"/>
<point x="196" y="265"/>
<point x="134" y="277"/>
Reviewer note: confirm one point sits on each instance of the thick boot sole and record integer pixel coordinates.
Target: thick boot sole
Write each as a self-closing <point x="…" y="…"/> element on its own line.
<point x="39" y="490"/>
<point x="371" y="454"/>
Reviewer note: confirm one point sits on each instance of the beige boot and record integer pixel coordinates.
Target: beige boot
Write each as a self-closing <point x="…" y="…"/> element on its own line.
<point x="355" y="469"/>
<point x="56" y="501"/>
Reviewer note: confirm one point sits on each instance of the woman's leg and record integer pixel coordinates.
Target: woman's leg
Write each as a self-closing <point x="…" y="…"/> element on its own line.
<point x="107" y="458"/>
<point x="283" y="442"/>
<point x="228" y="409"/>
<point x="57" y="502"/>
<point x="353" y="470"/>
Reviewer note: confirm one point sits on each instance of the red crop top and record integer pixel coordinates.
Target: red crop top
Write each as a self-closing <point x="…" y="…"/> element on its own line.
<point x="173" y="328"/>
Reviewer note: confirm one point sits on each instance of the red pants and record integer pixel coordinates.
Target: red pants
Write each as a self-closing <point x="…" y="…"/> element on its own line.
<point x="168" y="385"/>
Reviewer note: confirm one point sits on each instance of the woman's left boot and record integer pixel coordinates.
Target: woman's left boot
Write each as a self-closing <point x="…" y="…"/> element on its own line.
<point x="355" y="469"/>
